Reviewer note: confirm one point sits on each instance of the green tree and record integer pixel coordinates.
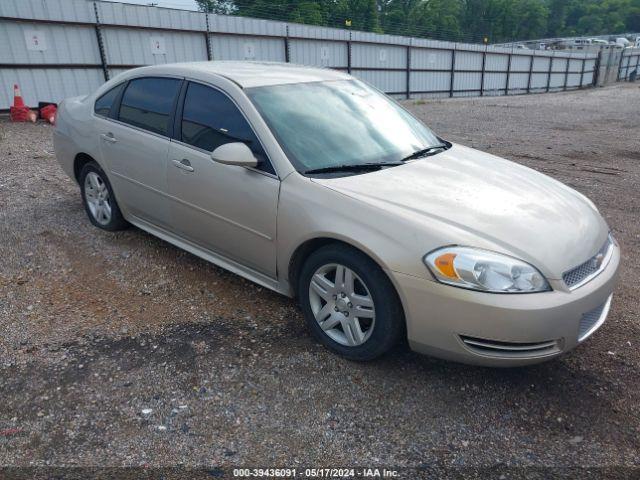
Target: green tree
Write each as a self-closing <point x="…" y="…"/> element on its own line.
<point x="440" y="19"/>
<point x="633" y="18"/>
<point x="464" y="20"/>
<point x="362" y="13"/>
<point x="557" y="17"/>
<point x="310" y="13"/>
<point x="215" y="6"/>
<point x="397" y="16"/>
<point x="531" y="19"/>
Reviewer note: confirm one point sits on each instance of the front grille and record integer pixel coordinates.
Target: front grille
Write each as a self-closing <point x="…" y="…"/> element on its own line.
<point x="586" y="271"/>
<point x="498" y="348"/>
<point x="593" y="319"/>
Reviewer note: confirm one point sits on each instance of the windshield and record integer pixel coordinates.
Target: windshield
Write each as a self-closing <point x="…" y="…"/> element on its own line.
<point x="338" y="123"/>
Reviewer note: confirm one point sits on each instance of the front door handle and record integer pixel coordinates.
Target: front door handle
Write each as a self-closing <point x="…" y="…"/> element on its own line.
<point x="108" y="137"/>
<point x="183" y="164"/>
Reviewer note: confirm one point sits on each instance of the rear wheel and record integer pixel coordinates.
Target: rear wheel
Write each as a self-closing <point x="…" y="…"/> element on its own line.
<point x="349" y="303"/>
<point x="99" y="200"/>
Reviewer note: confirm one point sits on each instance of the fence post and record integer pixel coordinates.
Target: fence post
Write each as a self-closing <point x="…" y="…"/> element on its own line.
<point x="566" y="73"/>
<point x="349" y="54"/>
<point x="286" y="45"/>
<point x="530" y="71"/>
<point x="484" y="63"/>
<point x="610" y="61"/>
<point x="550" y="70"/>
<point x="453" y="70"/>
<point x="620" y="65"/>
<point x="409" y="70"/>
<point x="584" y="63"/>
<point x="103" y="57"/>
<point x="206" y="38"/>
<point x="596" y="69"/>
<point x="506" y="86"/>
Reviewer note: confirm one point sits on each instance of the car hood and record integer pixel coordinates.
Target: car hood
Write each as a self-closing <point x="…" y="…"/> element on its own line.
<point x="464" y="196"/>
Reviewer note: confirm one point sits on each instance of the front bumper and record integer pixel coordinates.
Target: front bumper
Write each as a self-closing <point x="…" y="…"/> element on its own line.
<point x="503" y="329"/>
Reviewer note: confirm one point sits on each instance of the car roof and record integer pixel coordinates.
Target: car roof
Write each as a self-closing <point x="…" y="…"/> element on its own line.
<point x="244" y="73"/>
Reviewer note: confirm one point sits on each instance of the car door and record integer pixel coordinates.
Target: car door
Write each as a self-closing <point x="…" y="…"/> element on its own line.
<point x="227" y="209"/>
<point x="134" y="142"/>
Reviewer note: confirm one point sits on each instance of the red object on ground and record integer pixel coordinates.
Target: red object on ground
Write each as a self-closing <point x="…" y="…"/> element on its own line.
<point x="19" y="112"/>
<point x="49" y="113"/>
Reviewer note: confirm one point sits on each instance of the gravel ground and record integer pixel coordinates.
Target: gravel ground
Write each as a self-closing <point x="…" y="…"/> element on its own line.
<point x="121" y="350"/>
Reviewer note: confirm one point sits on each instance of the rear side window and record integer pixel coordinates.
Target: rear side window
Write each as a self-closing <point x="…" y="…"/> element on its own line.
<point x="211" y="119"/>
<point x="147" y="103"/>
<point x="105" y="104"/>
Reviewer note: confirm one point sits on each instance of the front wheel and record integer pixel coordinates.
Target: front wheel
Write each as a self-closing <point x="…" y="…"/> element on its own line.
<point x="349" y="303"/>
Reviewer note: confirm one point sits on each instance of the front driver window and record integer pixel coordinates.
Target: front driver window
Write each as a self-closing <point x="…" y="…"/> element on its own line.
<point x="211" y="119"/>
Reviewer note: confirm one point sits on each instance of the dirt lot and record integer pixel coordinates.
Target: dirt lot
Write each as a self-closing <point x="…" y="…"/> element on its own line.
<point x="121" y="350"/>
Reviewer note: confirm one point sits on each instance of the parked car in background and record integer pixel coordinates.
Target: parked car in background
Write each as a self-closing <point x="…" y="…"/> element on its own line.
<point x="313" y="184"/>
<point x="622" y="42"/>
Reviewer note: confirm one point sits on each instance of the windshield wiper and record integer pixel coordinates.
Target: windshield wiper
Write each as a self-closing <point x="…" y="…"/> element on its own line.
<point x="353" y="167"/>
<point x="425" y="152"/>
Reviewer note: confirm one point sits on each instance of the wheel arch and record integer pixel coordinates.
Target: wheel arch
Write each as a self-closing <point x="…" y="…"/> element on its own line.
<point x="79" y="161"/>
<point x="306" y="248"/>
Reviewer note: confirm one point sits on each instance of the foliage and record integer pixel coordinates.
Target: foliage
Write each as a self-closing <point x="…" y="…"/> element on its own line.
<point x="471" y="20"/>
<point x="215" y="6"/>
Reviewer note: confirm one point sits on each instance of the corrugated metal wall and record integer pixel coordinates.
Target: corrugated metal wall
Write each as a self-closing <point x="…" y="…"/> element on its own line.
<point x="317" y="52"/>
<point x="175" y="47"/>
<point x="64" y="45"/>
<point x="60" y="48"/>
<point x="49" y="10"/>
<point x="110" y="13"/>
<point x="608" y="65"/>
<point x="40" y="54"/>
<point x="629" y="63"/>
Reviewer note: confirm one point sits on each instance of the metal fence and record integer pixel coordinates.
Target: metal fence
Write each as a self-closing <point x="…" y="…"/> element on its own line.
<point x="59" y="48"/>
<point x="629" y="63"/>
<point x="607" y="65"/>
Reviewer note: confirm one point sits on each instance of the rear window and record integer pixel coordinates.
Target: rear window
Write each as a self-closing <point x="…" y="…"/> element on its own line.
<point x="147" y="103"/>
<point x="105" y="104"/>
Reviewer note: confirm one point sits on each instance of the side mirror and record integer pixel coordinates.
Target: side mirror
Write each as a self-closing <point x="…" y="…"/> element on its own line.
<point x="236" y="153"/>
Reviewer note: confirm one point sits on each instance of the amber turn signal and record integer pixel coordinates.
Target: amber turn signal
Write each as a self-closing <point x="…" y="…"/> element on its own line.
<point x="444" y="263"/>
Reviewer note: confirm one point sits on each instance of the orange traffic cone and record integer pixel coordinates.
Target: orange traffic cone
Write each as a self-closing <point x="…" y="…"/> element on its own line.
<point x="17" y="97"/>
<point x="19" y="112"/>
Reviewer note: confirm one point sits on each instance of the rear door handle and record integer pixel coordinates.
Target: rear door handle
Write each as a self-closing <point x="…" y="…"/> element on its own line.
<point x="108" y="137"/>
<point x="183" y="164"/>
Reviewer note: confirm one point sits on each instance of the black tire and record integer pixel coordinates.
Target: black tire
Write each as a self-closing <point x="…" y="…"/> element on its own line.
<point x="389" y="325"/>
<point x="116" y="221"/>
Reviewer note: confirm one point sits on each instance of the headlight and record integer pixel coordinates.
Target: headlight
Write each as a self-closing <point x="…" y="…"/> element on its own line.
<point x="484" y="270"/>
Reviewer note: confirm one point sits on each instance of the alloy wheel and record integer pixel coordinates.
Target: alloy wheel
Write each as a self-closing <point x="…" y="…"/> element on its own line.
<point x="342" y="304"/>
<point x="96" y="194"/>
